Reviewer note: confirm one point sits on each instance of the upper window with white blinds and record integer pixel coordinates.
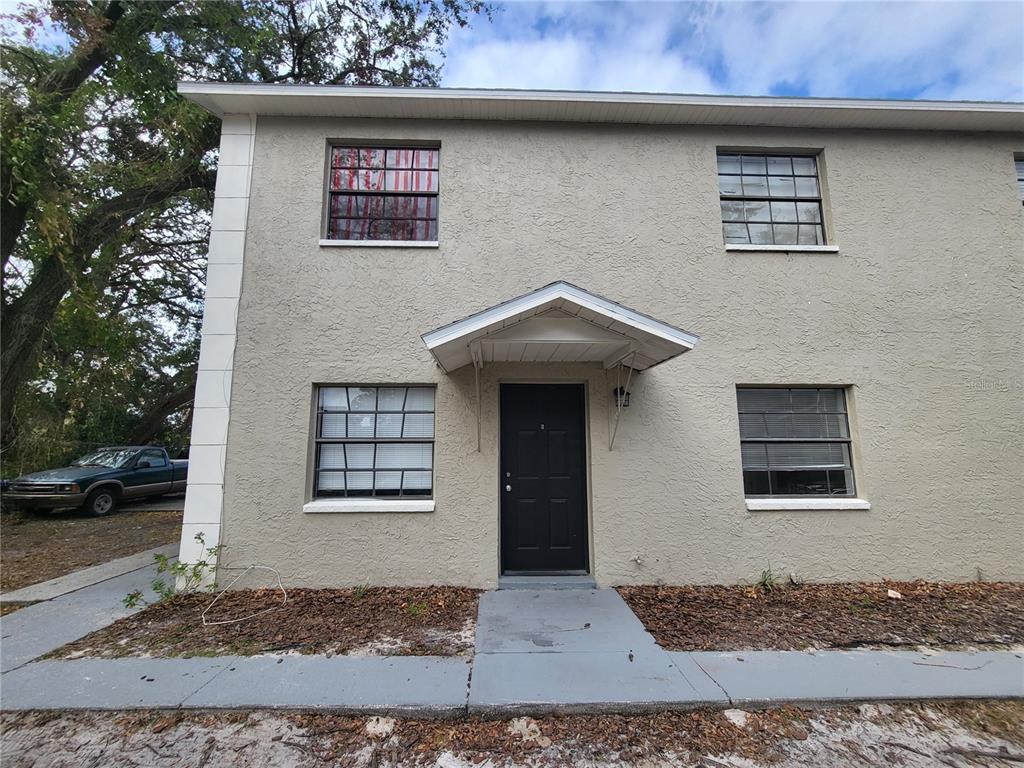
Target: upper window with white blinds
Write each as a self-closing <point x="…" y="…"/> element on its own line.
<point x="374" y="441"/>
<point x="383" y="193"/>
<point x="770" y="199"/>
<point x="795" y="441"/>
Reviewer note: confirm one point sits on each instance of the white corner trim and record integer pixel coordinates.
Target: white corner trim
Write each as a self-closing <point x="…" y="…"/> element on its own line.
<point x="782" y="248"/>
<point x="379" y="243"/>
<point x="369" y="505"/>
<point x="204" y="493"/>
<point x="796" y="504"/>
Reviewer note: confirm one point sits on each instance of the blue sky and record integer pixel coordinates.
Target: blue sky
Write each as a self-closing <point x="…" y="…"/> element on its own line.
<point x="929" y="50"/>
<point x="910" y="50"/>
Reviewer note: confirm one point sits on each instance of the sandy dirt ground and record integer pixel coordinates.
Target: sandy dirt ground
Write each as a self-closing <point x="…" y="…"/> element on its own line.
<point x="41" y="546"/>
<point x="919" y="735"/>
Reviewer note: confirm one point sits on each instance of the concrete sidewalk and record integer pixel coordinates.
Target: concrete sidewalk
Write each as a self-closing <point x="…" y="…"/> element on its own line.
<point x="537" y="651"/>
<point x="576" y="650"/>
<point x="86" y="577"/>
<point x="413" y="685"/>
<point x="443" y="687"/>
<point x="35" y="630"/>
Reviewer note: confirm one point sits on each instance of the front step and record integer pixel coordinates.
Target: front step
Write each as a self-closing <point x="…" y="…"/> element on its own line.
<point x="547" y="582"/>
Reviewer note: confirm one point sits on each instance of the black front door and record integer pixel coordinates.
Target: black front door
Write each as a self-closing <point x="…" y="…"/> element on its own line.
<point x="543" y="478"/>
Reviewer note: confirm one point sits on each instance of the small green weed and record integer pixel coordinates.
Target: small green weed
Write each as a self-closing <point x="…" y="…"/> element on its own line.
<point x="864" y="605"/>
<point x="768" y="582"/>
<point x="174" y="577"/>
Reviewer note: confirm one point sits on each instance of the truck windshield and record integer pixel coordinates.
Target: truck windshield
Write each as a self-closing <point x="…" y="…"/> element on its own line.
<point x="114" y="458"/>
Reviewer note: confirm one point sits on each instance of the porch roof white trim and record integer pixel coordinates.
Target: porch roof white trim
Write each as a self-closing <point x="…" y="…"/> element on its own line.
<point x="558" y="323"/>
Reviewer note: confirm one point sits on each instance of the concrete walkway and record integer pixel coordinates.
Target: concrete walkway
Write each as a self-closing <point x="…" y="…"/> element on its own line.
<point x="35" y="630"/>
<point x="444" y="687"/>
<point x="94" y="574"/>
<point x="537" y="651"/>
<point x="575" y="650"/>
<point x="416" y="685"/>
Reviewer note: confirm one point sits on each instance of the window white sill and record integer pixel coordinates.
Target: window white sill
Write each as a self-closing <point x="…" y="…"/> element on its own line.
<point x="797" y="504"/>
<point x="782" y="248"/>
<point x="369" y="505"/>
<point x="379" y="243"/>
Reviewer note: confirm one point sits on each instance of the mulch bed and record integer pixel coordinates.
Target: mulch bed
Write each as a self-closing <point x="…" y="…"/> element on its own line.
<point x="42" y="546"/>
<point x="710" y="618"/>
<point x="413" y="621"/>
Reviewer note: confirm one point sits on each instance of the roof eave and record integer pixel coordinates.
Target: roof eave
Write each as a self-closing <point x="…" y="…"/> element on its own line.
<point x="586" y="106"/>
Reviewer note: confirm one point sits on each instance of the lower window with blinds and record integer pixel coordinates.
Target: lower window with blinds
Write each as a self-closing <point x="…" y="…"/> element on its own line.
<point x="795" y="441"/>
<point x="374" y="441"/>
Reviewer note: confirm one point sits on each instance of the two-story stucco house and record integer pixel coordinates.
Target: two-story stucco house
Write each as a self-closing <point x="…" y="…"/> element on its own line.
<point x="452" y="335"/>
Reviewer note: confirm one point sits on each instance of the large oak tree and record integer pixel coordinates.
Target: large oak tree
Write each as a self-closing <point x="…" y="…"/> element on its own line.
<point x="106" y="180"/>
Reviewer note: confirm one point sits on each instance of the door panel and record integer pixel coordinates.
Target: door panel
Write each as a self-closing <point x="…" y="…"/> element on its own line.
<point x="558" y="453"/>
<point x="560" y="523"/>
<point x="528" y="524"/>
<point x="149" y="481"/>
<point x="543" y="478"/>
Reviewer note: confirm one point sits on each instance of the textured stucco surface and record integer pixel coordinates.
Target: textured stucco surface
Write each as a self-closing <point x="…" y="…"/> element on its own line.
<point x="920" y="313"/>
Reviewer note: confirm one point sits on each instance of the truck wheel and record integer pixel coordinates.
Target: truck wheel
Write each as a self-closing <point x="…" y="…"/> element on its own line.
<point x="100" y="502"/>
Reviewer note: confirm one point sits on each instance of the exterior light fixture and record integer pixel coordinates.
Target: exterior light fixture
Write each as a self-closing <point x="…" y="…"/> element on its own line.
<point x="621" y="397"/>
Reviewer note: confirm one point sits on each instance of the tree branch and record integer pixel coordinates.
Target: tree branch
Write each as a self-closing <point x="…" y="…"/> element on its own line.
<point x="64" y="83"/>
<point x="153" y="421"/>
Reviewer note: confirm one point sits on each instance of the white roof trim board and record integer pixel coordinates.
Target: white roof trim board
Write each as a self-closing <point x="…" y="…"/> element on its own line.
<point x="558" y="323"/>
<point x="601" y="107"/>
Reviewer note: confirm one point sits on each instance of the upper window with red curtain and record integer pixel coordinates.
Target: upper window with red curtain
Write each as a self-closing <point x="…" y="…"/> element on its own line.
<point x="383" y="193"/>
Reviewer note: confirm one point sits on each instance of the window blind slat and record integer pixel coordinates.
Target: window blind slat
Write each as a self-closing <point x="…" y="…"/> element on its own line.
<point x="333" y="425"/>
<point x="816" y="455"/>
<point x="334" y="398"/>
<point x="331" y="481"/>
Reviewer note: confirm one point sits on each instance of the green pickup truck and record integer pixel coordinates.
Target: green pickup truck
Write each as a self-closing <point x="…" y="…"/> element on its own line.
<point x="99" y="480"/>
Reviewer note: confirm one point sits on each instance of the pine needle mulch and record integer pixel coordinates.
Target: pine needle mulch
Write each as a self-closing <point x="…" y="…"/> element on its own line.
<point x="850" y="615"/>
<point x="418" y="621"/>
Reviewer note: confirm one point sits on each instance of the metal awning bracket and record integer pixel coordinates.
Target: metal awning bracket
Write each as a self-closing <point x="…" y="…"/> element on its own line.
<point x="618" y="385"/>
<point x="478" y="363"/>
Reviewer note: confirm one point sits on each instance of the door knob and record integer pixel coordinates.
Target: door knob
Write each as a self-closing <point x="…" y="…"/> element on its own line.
<point x="508" y="487"/>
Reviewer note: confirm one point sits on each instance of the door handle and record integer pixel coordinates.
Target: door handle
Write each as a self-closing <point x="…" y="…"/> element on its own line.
<point x="508" y="487"/>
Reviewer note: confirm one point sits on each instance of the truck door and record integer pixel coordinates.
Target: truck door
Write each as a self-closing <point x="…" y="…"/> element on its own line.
<point x="150" y="480"/>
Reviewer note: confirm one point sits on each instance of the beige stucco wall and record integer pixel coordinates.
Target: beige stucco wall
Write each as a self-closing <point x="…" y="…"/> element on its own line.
<point x="920" y="313"/>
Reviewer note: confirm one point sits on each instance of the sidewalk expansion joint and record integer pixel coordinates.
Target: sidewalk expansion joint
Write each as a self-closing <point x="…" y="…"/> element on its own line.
<point x="469" y="685"/>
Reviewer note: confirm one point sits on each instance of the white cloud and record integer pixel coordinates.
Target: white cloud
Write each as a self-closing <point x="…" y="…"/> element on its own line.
<point x="960" y="50"/>
<point x="942" y="50"/>
<point x="597" y="46"/>
<point x="571" y="63"/>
